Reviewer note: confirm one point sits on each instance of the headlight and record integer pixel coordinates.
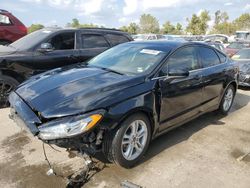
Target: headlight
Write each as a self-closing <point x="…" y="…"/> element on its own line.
<point x="68" y="127"/>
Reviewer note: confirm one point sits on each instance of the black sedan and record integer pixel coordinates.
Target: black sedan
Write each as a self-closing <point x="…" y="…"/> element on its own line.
<point x="125" y="97"/>
<point x="243" y="58"/>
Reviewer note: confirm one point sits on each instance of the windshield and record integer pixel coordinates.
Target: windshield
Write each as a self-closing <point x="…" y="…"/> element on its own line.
<point x="242" y="54"/>
<point x="30" y="40"/>
<point x="130" y="59"/>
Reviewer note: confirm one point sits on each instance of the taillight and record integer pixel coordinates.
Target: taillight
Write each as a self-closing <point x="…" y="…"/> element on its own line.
<point x="23" y="28"/>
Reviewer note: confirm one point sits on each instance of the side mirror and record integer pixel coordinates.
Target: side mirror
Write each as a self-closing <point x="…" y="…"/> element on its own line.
<point x="46" y="47"/>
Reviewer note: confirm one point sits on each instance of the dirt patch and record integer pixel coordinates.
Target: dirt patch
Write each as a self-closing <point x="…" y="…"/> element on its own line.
<point x="15" y="142"/>
<point x="14" y="168"/>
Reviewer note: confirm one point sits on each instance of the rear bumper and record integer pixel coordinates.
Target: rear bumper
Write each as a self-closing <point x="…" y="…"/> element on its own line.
<point x="22" y="114"/>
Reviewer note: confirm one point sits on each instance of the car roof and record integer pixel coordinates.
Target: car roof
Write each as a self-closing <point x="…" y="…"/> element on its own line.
<point x="109" y="30"/>
<point x="163" y="44"/>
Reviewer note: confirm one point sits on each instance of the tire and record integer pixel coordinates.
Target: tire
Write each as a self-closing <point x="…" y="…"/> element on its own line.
<point x="7" y="84"/>
<point x="118" y="152"/>
<point x="227" y="100"/>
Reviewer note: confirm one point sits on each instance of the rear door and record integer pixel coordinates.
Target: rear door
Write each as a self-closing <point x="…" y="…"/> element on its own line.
<point x="91" y="45"/>
<point x="214" y="76"/>
<point x="181" y="98"/>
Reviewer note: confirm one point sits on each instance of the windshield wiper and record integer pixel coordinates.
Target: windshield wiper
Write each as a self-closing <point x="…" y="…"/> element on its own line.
<point x="111" y="70"/>
<point x="107" y="69"/>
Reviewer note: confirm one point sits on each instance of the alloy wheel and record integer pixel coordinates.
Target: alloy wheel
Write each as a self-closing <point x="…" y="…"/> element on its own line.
<point x="228" y="99"/>
<point x="134" y="140"/>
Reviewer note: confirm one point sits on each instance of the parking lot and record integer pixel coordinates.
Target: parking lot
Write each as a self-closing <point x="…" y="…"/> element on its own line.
<point x="202" y="153"/>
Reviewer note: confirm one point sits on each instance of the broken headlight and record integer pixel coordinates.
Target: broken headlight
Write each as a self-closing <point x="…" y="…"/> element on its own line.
<point x="68" y="127"/>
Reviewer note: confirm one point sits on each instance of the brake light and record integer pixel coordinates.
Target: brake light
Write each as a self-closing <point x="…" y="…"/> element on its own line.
<point x="22" y="28"/>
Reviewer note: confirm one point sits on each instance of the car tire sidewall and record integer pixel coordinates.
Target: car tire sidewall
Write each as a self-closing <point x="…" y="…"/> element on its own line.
<point x="9" y="80"/>
<point x="222" y="110"/>
<point x="117" y="141"/>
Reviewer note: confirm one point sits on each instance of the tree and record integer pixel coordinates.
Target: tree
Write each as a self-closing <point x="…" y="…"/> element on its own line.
<point x="198" y="25"/>
<point x="168" y="28"/>
<point x="124" y="28"/>
<point x="243" y="22"/>
<point x="76" y="24"/>
<point x="204" y="19"/>
<point x="222" y="24"/>
<point x="35" y="27"/>
<point x="133" y="28"/>
<point x="149" y="24"/>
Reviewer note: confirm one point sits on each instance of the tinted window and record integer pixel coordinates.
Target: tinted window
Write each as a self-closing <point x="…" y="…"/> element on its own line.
<point x="222" y="57"/>
<point x="5" y="20"/>
<point x="94" y="41"/>
<point x="116" y="39"/>
<point x="208" y="57"/>
<point x="184" y="59"/>
<point x="64" y="41"/>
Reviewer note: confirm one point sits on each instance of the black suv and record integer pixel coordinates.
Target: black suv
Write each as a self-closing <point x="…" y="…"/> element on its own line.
<point x="50" y="48"/>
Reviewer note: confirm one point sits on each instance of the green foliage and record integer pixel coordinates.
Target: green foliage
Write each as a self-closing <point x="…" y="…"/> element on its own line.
<point x="243" y="22"/>
<point x="168" y="28"/>
<point x="149" y="24"/>
<point x="224" y="26"/>
<point x="132" y="28"/>
<point x="35" y="27"/>
<point x="76" y="24"/>
<point x="198" y="25"/>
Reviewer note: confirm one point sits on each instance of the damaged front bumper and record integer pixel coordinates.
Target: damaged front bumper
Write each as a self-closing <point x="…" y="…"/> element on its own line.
<point x="88" y="139"/>
<point x="21" y="113"/>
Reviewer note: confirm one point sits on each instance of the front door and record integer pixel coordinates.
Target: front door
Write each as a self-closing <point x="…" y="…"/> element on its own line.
<point x="181" y="98"/>
<point x="63" y="53"/>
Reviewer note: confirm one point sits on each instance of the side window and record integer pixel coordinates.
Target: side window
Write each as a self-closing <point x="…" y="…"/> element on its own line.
<point x="63" y="41"/>
<point x="4" y="20"/>
<point x="208" y="57"/>
<point x="116" y="39"/>
<point x="222" y="57"/>
<point x="94" y="41"/>
<point x="185" y="59"/>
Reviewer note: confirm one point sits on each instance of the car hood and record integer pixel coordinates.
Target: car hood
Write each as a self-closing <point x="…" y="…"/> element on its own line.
<point x="63" y="91"/>
<point x="6" y="50"/>
<point x="244" y="65"/>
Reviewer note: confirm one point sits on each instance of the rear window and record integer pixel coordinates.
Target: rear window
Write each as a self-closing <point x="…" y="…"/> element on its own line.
<point x="116" y="39"/>
<point x="4" y="20"/>
<point x="94" y="41"/>
<point x="208" y="57"/>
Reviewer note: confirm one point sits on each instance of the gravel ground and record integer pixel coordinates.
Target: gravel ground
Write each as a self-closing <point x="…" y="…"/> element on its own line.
<point x="202" y="153"/>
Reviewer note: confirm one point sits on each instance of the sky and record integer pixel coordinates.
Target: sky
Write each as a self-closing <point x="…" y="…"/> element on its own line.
<point x="116" y="13"/>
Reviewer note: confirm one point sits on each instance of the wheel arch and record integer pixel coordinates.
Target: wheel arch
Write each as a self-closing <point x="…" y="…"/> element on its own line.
<point x="12" y="74"/>
<point x="147" y="112"/>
